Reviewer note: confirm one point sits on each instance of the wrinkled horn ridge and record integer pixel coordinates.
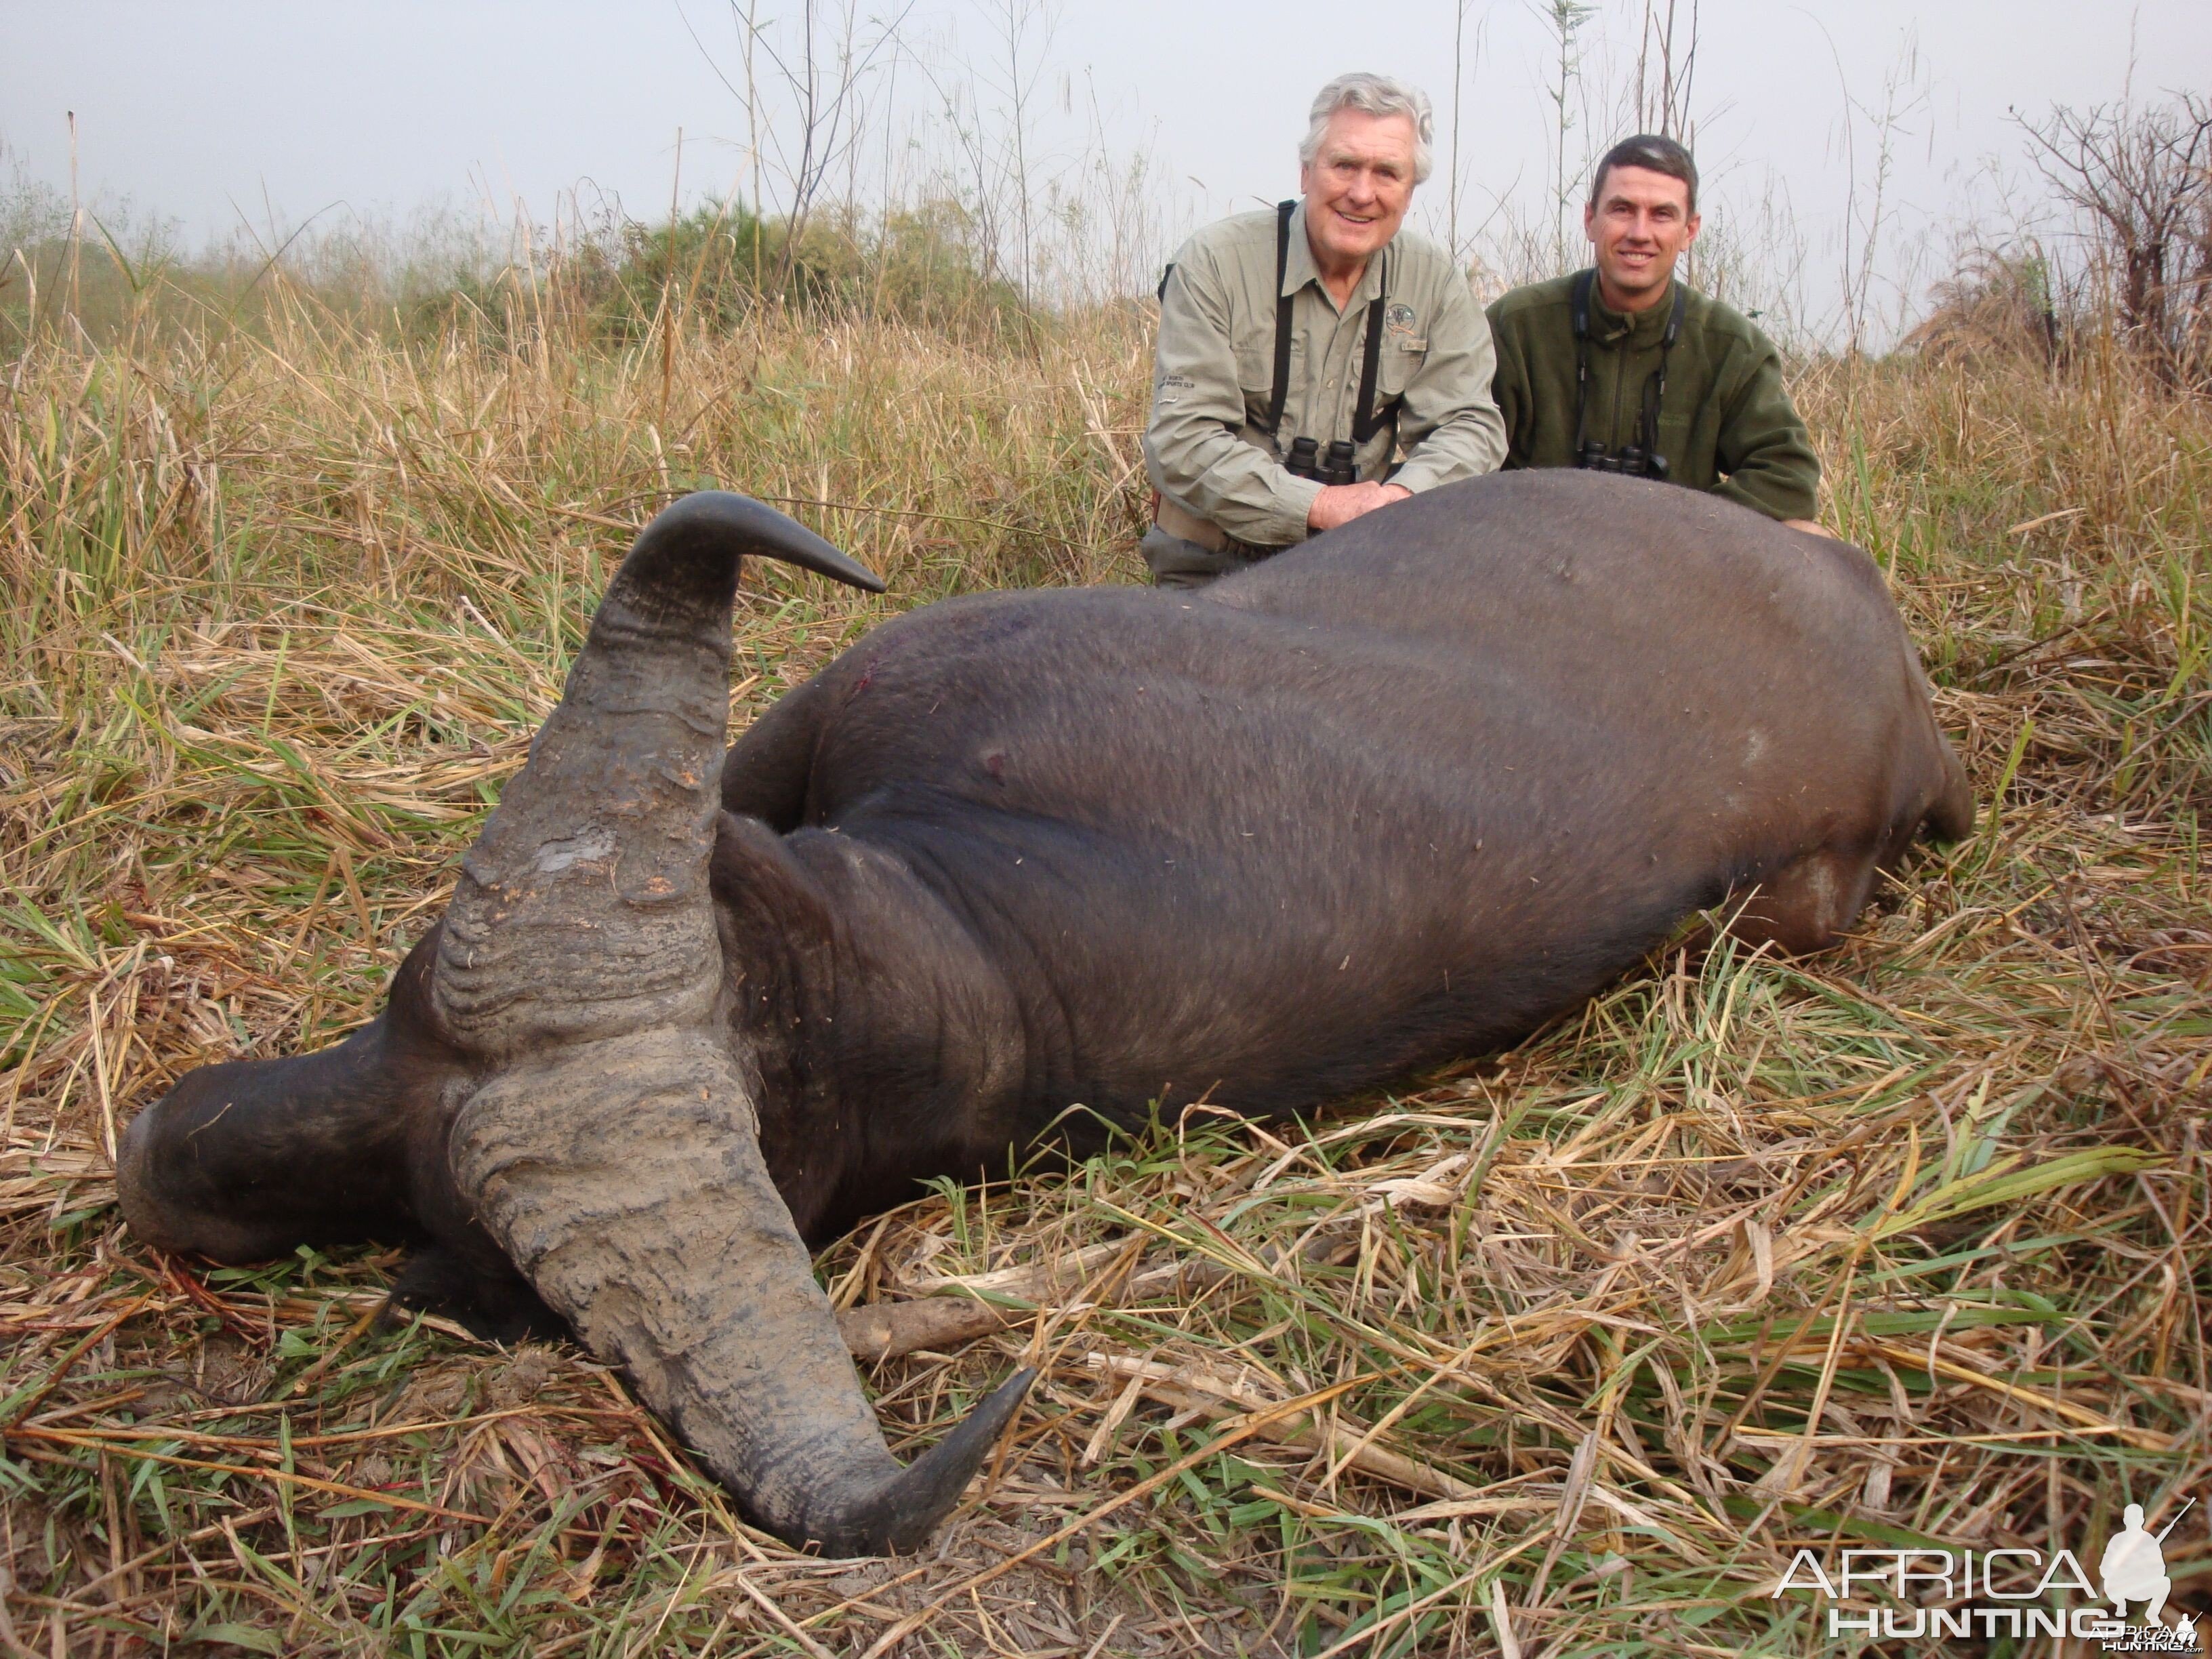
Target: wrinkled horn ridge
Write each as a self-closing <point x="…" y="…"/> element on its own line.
<point x="613" y="1150"/>
<point x="583" y="907"/>
<point x="643" y="1212"/>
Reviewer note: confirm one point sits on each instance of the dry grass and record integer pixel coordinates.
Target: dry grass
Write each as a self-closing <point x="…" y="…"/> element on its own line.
<point x="1905" y="1243"/>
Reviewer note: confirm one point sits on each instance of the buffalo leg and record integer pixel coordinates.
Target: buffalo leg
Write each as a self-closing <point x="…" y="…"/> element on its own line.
<point x="1804" y="907"/>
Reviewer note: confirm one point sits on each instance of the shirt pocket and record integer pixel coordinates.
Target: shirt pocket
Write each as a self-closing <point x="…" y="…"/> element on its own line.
<point x="1255" y="371"/>
<point x="1402" y="360"/>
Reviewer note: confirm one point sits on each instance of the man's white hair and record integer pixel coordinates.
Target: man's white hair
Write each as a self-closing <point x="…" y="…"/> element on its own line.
<point x="1376" y="95"/>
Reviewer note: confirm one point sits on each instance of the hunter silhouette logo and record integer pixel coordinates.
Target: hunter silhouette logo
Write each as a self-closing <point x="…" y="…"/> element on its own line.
<point x="2020" y="1593"/>
<point x="2134" y="1565"/>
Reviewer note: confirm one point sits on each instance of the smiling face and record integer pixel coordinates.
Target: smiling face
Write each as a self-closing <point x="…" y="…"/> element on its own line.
<point x="1639" y="224"/>
<point x="1357" y="187"/>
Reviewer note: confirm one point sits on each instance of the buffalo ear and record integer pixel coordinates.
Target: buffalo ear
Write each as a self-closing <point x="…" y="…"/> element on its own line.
<point x="754" y="876"/>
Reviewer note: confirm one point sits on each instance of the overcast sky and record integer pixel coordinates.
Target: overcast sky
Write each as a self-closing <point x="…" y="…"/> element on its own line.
<point x="211" y="111"/>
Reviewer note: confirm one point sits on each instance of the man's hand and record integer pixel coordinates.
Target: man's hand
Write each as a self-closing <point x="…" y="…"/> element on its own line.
<point x="1341" y="503"/>
<point x="1811" y="527"/>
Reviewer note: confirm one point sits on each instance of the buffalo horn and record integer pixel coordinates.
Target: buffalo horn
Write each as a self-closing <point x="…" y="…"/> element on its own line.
<point x="613" y="1150"/>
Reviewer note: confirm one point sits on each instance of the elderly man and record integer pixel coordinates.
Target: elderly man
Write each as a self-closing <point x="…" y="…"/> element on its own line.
<point x="1303" y="350"/>
<point x="1621" y="369"/>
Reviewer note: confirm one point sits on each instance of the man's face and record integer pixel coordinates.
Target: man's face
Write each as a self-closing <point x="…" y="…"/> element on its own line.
<point x="1639" y="225"/>
<point x="1357" y="184"/>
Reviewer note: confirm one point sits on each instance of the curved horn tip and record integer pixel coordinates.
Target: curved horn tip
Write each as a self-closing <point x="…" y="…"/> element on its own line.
<point x="758" y="529"/>
<point x="902" y="1513"/>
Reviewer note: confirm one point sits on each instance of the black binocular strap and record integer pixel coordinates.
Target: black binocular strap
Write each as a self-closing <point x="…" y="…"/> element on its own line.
<point x="1655" y="387"/>
<point x="1283" y="211"/>
<point x="1578" y="298"/>
<point x="1365" y="422"/>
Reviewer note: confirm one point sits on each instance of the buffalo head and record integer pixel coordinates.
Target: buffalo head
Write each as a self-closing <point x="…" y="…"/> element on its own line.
<point x="546" y="1086"/>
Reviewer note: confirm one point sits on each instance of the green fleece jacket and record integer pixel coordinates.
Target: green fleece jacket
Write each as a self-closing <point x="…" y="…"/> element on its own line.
<point x="1726" y="425"/>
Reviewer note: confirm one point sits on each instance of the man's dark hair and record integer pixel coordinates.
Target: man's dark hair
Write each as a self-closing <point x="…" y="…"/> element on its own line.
<point x="1648" y="149"/>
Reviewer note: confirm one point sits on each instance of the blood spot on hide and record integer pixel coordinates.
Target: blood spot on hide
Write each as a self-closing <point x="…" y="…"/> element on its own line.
<point x="994" y="763"/>
<point x="860" y="684"/>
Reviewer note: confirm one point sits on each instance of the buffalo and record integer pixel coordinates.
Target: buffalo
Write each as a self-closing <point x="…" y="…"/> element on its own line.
<point x="1399" y="795"/>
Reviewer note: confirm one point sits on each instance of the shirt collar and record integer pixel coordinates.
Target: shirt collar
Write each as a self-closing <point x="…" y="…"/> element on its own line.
<point x="1299" y="269"/>
<point x="1644" y="328"/>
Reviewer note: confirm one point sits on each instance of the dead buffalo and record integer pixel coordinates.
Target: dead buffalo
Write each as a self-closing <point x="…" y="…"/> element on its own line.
<point x="1399" y="795"/>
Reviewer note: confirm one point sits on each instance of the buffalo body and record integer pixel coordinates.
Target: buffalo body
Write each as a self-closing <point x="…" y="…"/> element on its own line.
<point x="1035" y="864"/>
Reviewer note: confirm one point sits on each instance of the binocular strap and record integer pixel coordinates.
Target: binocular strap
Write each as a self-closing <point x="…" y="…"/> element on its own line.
<point x="1654" y="387"/>
<point x="1366" y="419"/>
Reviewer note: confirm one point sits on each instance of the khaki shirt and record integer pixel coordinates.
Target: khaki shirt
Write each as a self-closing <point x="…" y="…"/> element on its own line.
<point x="1206" y="447"/>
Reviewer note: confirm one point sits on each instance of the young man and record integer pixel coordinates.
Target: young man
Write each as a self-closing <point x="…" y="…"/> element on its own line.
<point x="1303" y="347"/>
<point x="1622" y="369"/>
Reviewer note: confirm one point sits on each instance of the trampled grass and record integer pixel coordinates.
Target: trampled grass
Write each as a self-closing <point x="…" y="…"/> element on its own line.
<point x="1567" y="1351"/>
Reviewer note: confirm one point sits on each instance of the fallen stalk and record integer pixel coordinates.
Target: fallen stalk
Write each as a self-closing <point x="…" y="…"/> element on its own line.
<point x="94" y="1442"/>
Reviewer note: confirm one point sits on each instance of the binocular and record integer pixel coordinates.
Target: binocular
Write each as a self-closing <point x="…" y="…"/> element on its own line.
<point x="1631" y="460"/>
<point x="1338" y="466"/>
